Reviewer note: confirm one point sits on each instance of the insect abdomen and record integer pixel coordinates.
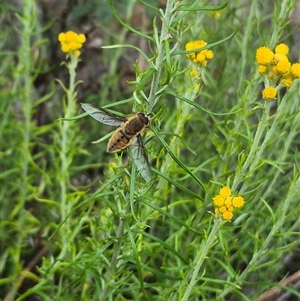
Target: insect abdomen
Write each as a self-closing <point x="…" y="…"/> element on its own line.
<point x="118" y="141"/>
<point x="128" y="131"/>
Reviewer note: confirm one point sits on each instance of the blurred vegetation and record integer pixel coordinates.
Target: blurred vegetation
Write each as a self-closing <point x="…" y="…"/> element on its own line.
<point x="78" y="223"/>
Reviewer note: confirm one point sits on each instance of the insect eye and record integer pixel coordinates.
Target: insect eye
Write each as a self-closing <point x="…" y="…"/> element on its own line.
<point x="143" y="118"/>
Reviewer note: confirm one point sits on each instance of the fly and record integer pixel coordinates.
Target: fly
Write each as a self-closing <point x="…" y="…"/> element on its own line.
<point x="128" y="133"/>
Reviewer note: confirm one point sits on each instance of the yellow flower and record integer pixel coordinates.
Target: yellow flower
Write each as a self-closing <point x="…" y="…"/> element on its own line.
<point x="262" y="69"/>
<point x="277" y="67"/>
<point x="224" y="214"/>
<point x="71" y="42"/>
<point x="269" y="93"/>
<point x="219" y="200"/>
<point x="225" y="203"/>
<point x="222" y="209"/>
<point x="209" y="55"/>
<point x="228" y="202"/>
<point x="264" y="56"/>
<point x="190" y="46"/>
<point x="194" y="73"/>
<point x="279" y="57"/>
<point x="199" y="57"/>
<point x="295" y="70"/>
<point x="287" y="82"/>
<point x="238" y="202"/>
<point x="275" y="71"/>
<point x="225" y="192"/>
<point x="199" y="44"/>
<point x="227" y="215"/>
<point x="230" y="208"/>
<point x="283" y="66"/>
<point x="217" y="15"/>
<point x="282" y="48"/>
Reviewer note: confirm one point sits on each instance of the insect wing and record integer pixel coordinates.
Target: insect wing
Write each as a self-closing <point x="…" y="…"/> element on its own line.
<point x="102" y="115"/>
<point x="140" y="158"/>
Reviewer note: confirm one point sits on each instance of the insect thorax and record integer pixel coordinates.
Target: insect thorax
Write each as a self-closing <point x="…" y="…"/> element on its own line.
<point x="136" y="124"/>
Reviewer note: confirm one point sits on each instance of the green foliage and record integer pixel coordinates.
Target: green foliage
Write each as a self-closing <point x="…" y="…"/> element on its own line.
<point x="80" y="224"/>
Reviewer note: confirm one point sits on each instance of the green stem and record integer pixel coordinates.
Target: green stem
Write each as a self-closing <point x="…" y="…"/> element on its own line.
<point x="25" y="53"/>
<point x="251" y="157"/>
<point x="191" y="278"/>
<point x="279" y="20"/>
<point x="183" y="115"/>
<point x="161" y="53"/>
<point x="66" y="137"/>
<point x="114" y="260"/>
<point x="23" y="82"/>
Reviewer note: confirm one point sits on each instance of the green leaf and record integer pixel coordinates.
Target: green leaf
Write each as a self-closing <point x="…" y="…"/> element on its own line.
<point x="208" y="46"/>
<point x="194" y="104"/>
<point x="126" y="25"/>
<point x="147" y="59"/>
<point x="194" y="8"/>
<point x="177" y="160"/>
<point x="169" y="215"/>
<point x="176" y="184"/>
<point x="165" y="245"/>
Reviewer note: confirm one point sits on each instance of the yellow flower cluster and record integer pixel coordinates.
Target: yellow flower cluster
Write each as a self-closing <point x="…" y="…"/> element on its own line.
<point x="71" y="42"/>
<point x="199" y="57"/>
<point x="277" y="67"/>
<point x="269" y="93"/>
<point x="226" y="204"/>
